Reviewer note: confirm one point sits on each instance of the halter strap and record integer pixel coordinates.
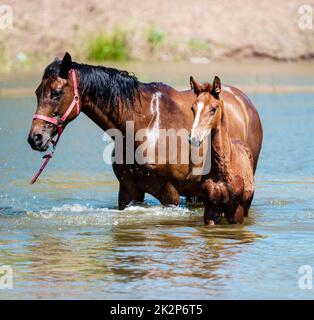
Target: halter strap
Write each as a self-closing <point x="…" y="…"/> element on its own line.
<point x="75" y="102"/>
<point x="47" y="119"/>
<point x="59" y="123"/>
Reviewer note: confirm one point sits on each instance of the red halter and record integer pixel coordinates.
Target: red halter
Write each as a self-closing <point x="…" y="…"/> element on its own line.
<point x="58" y="123"/>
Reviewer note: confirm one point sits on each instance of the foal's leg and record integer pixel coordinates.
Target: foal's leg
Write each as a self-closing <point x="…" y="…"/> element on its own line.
<point x="236" y="214"/>
<point x="239" y="215"/>
<point x="212" y="214"/>
<point x="248" y="205"/>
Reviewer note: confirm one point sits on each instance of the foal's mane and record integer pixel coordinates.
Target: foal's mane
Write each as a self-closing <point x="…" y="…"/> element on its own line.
<point x="106" y="87"/>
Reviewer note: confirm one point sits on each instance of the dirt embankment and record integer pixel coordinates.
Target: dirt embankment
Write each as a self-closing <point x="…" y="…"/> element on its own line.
<point x="166" y="30"/>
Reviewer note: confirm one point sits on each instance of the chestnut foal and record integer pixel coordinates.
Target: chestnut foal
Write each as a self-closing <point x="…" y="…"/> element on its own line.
<point x="229" y="186"/>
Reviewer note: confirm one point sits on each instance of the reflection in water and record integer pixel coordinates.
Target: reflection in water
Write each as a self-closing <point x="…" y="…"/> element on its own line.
<point x="165" y="251"/>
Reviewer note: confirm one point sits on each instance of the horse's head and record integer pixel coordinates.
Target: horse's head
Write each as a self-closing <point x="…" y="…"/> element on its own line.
<point x="54" y="94"/>
<point x="207" y="109"/>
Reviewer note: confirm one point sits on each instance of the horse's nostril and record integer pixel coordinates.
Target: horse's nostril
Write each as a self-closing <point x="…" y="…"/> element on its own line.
<point x="38" y="138"/>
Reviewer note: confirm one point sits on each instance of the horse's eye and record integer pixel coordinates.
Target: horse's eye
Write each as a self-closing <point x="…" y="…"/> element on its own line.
<point x="56" y="93"/>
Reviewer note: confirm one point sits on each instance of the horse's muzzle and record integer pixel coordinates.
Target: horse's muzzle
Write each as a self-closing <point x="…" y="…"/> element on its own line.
<point x="38" y="142"/>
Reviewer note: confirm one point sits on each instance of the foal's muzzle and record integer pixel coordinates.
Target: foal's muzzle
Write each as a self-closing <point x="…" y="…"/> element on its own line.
<point x="194" y="141"/>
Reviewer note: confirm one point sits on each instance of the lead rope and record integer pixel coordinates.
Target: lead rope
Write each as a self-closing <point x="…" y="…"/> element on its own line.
<point x="47" y="156"/>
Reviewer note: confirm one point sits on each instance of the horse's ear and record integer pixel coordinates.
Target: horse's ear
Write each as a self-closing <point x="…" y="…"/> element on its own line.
<point x="195" y="86"/>
<point x="216" y="87"/>
<point x="66" y="66"/>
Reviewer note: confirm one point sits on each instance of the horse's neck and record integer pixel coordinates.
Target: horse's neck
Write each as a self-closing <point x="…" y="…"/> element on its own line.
<point x="98" y="116"/>
<point x="118" y="117"/>
<point x="221" y="148"/>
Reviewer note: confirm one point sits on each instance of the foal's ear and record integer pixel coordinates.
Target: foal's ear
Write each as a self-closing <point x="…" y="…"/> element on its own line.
<point x="195" y="86"/>
<point x="216" y="88"/>
<point x="66" y="66"/>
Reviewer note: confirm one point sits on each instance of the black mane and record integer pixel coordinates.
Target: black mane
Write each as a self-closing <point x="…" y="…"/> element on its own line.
<point x="106" y="87"/>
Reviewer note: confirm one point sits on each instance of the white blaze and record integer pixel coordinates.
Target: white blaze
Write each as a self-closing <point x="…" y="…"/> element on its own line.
<point x="200" y="107"/>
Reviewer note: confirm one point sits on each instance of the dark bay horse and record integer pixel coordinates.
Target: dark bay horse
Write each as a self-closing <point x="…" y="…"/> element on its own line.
<point x="110" y="98"/>
<point x="229" y="185"/>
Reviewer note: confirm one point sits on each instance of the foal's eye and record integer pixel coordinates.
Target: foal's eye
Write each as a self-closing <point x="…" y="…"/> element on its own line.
<point x="212" y="110"/>
<point x="56" y="93"/>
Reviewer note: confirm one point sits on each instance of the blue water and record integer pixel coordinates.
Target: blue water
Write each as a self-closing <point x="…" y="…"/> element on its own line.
<point x="64" y="237"/>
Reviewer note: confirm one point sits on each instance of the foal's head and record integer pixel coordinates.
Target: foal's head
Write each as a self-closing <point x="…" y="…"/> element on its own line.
<point x="207" y="109"/>
<point x="54" y="95"/>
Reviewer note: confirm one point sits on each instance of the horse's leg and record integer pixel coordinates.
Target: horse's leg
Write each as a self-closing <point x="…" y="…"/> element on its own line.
<point x="212" y="214"/>
<point x="129" y="191"/>
<point x="126" y="197"/>
<point x="168" y="195"/>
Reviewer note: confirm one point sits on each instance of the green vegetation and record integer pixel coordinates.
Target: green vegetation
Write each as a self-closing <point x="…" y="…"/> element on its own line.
<point x="199" y="45"/>
<point x="5" y="61"/>
<point x="8" y="63"/>
<point x="156" y="37"/>
<point x="112" y="45"/>
<point x="109" y="46"/>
